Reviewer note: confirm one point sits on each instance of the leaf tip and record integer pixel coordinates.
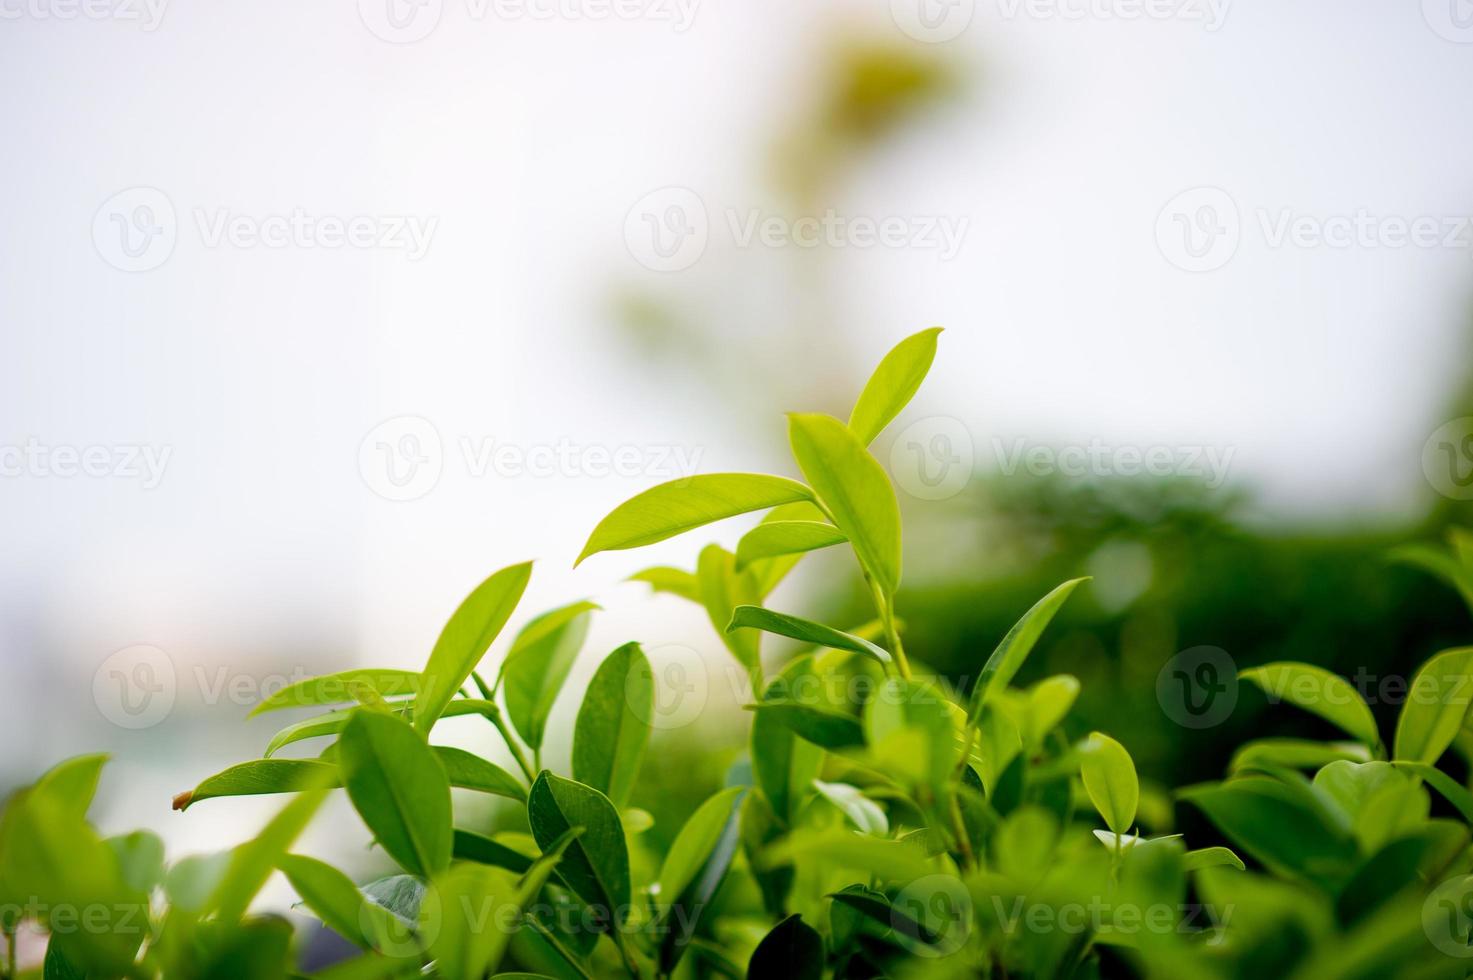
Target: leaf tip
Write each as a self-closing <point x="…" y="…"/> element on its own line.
<point x="182" y="801"/>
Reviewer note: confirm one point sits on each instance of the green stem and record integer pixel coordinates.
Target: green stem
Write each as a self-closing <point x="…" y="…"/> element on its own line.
<point x="10" y="970"/>
<point x="511" y="743"/>
<point x="630" y="963"/>
<point x="886" y="610"/>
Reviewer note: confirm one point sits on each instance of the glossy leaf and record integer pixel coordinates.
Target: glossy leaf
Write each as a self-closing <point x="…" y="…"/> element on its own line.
<point x="672" y="508"/>
<point x="465" y="639"/>
<point x="1319" y="691"/>
<point x="695" y="842"/>
<point x="399" y="788"/>
<point x="1284" y="826"/>
<point x="1110" y="780"/>
<point x="862" y="812"/>
<point x="259" y="777"/>
<point x="778" y="538"/>
<point x="596" y="865"/>
<point x="339" y="688"/>
<point x="1449" y="788"/>
<point x="613" y="725"/>
<point x="822" y="726"/>
<point x="893" y="384"/>
<point x="756" y="617"/>
<point x="538" y="664"/>
<point x="467" y="770"/>
<point x="1436" y="705"/>
<point x="855" y="490"/>
<point x="333" y="898"/>
<point x="72" y="783"/>
<point x="783" y="764"/>
<point x="469" y="846"/>
<point x="1001" y="667"/>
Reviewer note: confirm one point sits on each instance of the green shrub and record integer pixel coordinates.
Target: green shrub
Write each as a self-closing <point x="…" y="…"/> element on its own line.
<point x="882" y="824"/>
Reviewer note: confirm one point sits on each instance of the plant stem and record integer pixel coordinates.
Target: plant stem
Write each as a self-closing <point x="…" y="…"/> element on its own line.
<point x="630" y="963"/>
<point x="10" y="970"/>
<point x="511" y="743"/>
<point x="892" y="636"/>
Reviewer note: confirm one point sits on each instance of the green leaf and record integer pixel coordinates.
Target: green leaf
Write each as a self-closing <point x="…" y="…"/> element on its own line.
<point x="756" y="617"/>
<point x="466" y="638"/>
<point x="912" y="735"/>
<point x="399" y="788"/>
<point x="1319" y="691"/>
<point x="672" y="508"/>
<point x="484" y="850"/>
<point x="673" y="581"/>
<point x="694" y="843"/>
<point x="338" y="688"/>
<point x="1211" y="857"/>
<point x="72" y="783"/>
<point x="1048" y="704"/>
<point x="1435" y="707"/>
<point x="466" y="920"/>
<point x="723" y="589"/>
<point x="613" y="725"/>
<point x="855" y="490"/>
<point x="784" y="765"/>
<point x="140" y="857"/>
<point x="1443" y="564"/>
<point x="333" y="898"/>
<point x="596" y="865"/>
<point x="1294" y="753"/>
<point x="537" y="665"/>
<point x="894" y="383"/>
<point x="1000" y="668"/>
<point x="1451" y="790"/>
<point x="469" y="771"/>
<point x="822" y="726"/>
<point x="251" y="863"/>
<point x="1285" y="826"/>
<point x="259" y="777"/>
<point x="777" y="538"/>
<point x="793" y="950"/>
<point x="770" y="572"/>
<point x="692" y="901"/>
<point x="330" y="723"/>
<point x="1110" y="780"/>
<point x="861" y="811"/>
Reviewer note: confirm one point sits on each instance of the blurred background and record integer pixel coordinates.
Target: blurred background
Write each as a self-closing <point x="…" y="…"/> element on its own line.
<point x="315" y="315"/>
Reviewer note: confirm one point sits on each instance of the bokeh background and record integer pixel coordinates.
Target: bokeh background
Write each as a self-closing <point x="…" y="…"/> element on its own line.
<point x="315" y="314"/>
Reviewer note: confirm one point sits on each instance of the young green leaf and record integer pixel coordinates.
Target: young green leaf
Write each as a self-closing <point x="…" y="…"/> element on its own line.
<point x="1048" y="703"/>
<point x="399" y="788"/>
<point x="333" y="898"/>
<point x="466" y="921"/>
<point x="1294" y="753"/>
<point x="770" y="572"/>
<point x="756" y="617"/>
<point x="259" y="777"/>
<point x="1110" y="780"/>
<point x="691" y="902"/>
<point x="251" y="863"/>
<point x="861" y="811"/>
<point x="613" y="725"/>
<point x="777" y="538"/>
<point x="823" y="727"/>
<point x="1459" y="797"/>
<point x="596" y="865"/>
<point x="723" y="589"/>
<point x="1285" y="826"/>
<point x="694" y="843"/>
<point x="673" y="581"/>
<point x="338" y="688"/>
<point x="1211" y="857"/>
<point x="893" y="384"/>
<point x="1000" y="668"/>
<point x="854" y="488"/>
<point x="537" y="665"/>
<point x="672" y="508"/>
<point x="1435" y="707"/>
<point x="783" y="764"/>
<point x="465" y="639"/>
<point x="330" y="723"/>
<point x="72" y="783"/>
<point x="792" y="950"/>
<point x="140" y="857"/>
<point x="1319" y="691"/>
<point x="469" y="771"/>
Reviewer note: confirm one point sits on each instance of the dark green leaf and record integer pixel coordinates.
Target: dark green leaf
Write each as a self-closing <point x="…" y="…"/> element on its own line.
<point x="596" y="865"/>
<point x="821" y="726"/>
<point x="399" y="788"/>
<point x="613" y="725"/>
<point x="793" y="950"/>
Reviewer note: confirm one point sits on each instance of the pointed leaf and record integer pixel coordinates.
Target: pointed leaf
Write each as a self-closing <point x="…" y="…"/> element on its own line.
<point x="251" y="863"/>
<point x="1211" y="857"/>
<point x="778" y="538"/>
<point x="613" y="725"/>
<point x="339" y="688"/>
<point x="822" y="726"/>
<point x="596" y="865"/>
<point x="854" y="488"/>
<point x="694" y="843"/>
<point x="1000" y="668"/>
<point x="259" y="777"/>
<point x="1110" y="780"/>
<point x="1319" y="691"/>
<point x="893" y="384"/>
<point x="673" y="581"/>
<point x="399" y="788"/>
<point x="469" y="771"/>
<point x="723" y="589"/>
<point x="466" y="638"/>
<point x="756" y="617"/>
<point x="1436" y="705"/>
<point x="537" y="665"/>
<point x="671" y="508"/>
<point x="783" y="764"/>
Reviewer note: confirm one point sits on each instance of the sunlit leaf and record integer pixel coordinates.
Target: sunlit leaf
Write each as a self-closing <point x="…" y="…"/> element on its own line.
<point x="771" y="540"/>
<point x="674" y="581"/>
<point x="893" y="384"/>
<point x="339" y="688"/>
<point x="399" y="788"/>
<point x="537" y="665"/>
<point x="1435" y="707"/>
<point x="756" y="617"/>
<point x="1110" y="780"/>
<point x="613" y="725"/>
<point x="1319" y="691"/>
<point x="1000" y="668"/>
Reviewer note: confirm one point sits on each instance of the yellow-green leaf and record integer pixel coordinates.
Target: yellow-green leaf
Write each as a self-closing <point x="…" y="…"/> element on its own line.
<point x="1110" y="780"/>
<point x="1436" y="705"/>
<point x="1319" y="691"/>
<point x="893" y="384"/>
